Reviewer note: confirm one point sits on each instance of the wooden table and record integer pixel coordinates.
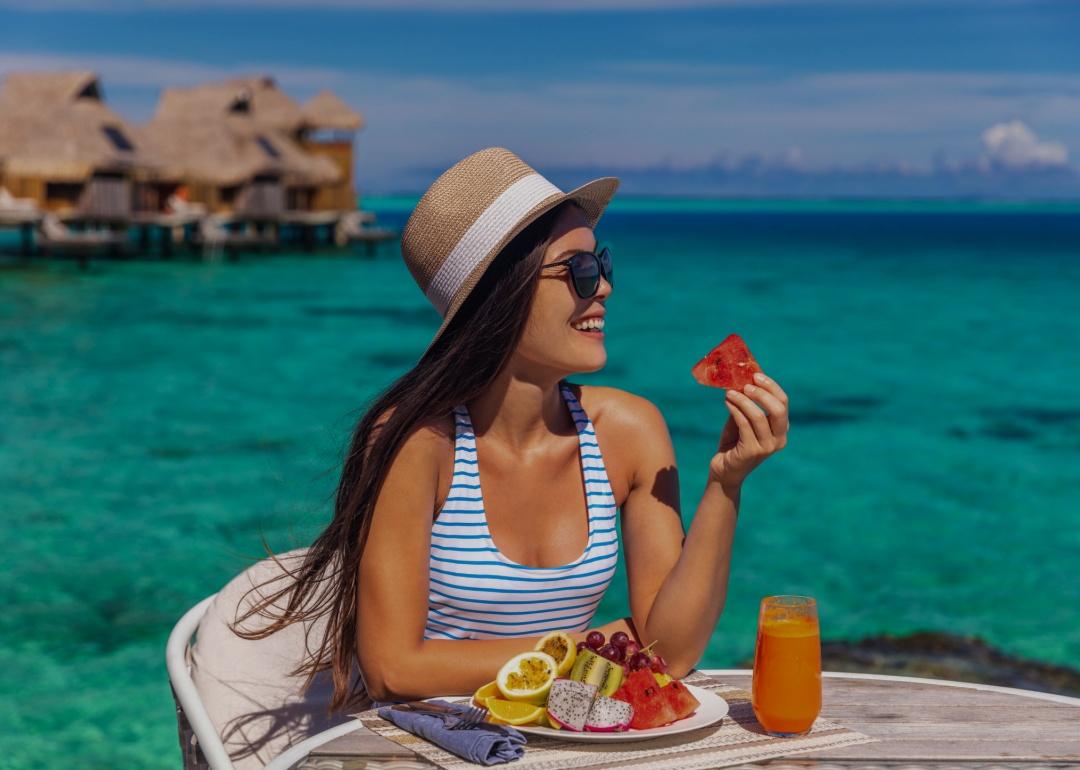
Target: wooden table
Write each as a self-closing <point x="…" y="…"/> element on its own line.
<point x="918" y="723"/>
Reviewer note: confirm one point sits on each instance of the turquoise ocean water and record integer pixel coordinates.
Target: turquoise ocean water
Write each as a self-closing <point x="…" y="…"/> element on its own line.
<point x="157" y="417"/>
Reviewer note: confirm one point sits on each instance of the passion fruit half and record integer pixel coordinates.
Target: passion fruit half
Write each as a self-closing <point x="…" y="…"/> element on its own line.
<point x="561" y="647"/>
<point x="527" y="677"/>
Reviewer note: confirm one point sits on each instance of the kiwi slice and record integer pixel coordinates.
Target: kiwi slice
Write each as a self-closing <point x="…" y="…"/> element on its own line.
<point x="595" y="669"/>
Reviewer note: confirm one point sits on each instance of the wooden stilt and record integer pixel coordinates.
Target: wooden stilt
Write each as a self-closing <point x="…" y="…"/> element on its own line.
<point x="26" y="238"/>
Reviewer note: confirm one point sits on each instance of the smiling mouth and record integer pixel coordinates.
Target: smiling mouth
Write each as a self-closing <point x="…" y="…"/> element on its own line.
<point x="589" y="325"/>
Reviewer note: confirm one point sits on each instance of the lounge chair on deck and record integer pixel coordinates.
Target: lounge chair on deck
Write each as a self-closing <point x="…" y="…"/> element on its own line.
<point x="10" y="204"/>
<point x="355" y="226"/>
<point x="180" y="206"/>
<point x="215" y="237"/>
<point x="236" y="705"/>
<point x="56" y="236"/>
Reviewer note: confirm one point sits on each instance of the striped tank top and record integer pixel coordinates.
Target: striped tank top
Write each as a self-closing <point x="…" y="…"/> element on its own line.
<point x="475" y="592"/>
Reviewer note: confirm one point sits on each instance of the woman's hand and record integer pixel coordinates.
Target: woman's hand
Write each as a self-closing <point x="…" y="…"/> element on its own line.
<point x="750" y="435"/>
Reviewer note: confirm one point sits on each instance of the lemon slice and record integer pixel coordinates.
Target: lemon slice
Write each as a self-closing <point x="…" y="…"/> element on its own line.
<point x="514" y="712"/>
<point x="489" y="690"/>
<point x="560" y="646"/>
<point x="527" y="677"/>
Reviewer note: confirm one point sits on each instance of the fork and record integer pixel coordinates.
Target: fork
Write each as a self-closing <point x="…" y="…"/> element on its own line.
<point x="471" y="718"/>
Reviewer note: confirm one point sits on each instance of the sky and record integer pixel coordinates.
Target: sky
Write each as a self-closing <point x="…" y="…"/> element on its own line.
<point x="952" y="98"/>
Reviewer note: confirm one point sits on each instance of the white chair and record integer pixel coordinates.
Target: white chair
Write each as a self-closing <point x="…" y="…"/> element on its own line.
<point x="56" y="236"/>
<point x="216" y="238"/>
<point x="237" y="704"/>
<point x="200" y="743"/>
<point x="354" y="226"/>
<point x="174" y="204"/>
<point x="9" y="202"/>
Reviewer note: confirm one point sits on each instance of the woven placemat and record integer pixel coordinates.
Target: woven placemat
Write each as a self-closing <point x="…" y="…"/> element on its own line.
<point x="736" y="739"/>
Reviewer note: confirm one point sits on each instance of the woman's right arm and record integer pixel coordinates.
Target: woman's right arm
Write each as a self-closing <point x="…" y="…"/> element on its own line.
<point x="396" y="661"/>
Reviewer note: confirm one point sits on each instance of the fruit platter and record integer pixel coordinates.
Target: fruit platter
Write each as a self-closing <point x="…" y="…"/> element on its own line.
<point x="595" y="690"/>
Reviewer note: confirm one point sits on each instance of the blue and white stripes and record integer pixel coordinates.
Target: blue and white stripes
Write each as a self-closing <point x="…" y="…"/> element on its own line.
<point x="475" y="592"/>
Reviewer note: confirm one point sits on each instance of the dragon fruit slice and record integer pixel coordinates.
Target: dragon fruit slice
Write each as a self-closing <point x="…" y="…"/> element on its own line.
<point x="569" y="702"/>
<point x="608" y="715"/>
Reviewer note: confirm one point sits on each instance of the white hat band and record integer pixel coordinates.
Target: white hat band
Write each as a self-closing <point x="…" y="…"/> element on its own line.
<point x="494" y="222"/>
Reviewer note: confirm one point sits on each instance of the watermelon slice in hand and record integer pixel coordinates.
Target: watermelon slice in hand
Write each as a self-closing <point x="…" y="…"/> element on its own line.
<point x="728" y="365"/>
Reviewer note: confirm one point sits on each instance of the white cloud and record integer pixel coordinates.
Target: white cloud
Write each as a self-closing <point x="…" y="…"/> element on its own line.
<point x="1015" y="147"/>
<point x="857" y="121"/>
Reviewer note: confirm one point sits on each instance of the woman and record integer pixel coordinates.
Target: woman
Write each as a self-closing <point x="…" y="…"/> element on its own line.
<point x="477" y="506"/>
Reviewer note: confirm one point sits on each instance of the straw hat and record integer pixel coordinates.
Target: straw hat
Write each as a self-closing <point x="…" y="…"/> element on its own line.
<point x="472" y="211"/>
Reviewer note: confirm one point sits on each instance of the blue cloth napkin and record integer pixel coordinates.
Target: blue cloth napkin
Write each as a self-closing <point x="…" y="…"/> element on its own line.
<point x="485" y="744"/>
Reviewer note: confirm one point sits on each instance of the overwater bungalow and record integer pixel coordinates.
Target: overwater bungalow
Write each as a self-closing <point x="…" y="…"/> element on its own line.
<point x="62" y="150"/>
<point x="224" y="164"/>
<point x="250" y="152"/>
<point x="329" y="129"/>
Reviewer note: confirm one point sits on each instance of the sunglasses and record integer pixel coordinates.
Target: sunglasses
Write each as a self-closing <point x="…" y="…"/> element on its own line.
<point x="586" y="269"/>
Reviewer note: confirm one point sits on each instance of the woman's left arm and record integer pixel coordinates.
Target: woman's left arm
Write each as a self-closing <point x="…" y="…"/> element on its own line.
<point x="678" y="582"/>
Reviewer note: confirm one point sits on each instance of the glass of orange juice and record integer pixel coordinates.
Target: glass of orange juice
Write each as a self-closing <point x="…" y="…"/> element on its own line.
<point x="786" y="690"/>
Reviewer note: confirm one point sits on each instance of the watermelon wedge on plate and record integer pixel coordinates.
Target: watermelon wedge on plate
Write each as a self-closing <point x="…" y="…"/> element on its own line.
<point x="728" y="365"/>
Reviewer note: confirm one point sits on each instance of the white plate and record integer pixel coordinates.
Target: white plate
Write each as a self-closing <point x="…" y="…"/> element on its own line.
<point x="713" y="708"/>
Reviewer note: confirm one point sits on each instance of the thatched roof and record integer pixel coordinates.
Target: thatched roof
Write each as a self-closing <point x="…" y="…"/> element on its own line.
<point x="228" y="152"/>
<point x="55" y="125"/>
<point x="257" y="97"/>
<point x="205" y="150"/>
<point x="36" y="89"/>
<point x="326" y="110"/>
<point x="227" y="132"/>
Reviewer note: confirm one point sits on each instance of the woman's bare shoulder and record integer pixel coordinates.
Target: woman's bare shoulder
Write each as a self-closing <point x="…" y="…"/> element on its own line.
<point x="428" y="441"/>
<point x="422" y="467"/>
<point x="620" y="410"/>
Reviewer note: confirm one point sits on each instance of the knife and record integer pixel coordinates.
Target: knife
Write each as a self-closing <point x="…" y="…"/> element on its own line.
<point x="425" y="707"/>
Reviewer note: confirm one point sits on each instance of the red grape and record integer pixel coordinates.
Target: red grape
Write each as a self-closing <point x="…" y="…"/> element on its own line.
<point x="620" y="639"/>
<point x="658" y="664"/>
<point x="631" y="649"/>
<point x="610" y="652"/>
<point x="595" y="640"/>
<point x="581" y="646"/>
<point x="639" y="661"/>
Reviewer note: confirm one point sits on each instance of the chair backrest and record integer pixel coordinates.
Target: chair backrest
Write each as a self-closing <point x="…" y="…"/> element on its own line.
<point x="177" y="205"/>
<point x="210" y="230"/>
<point x="200" y="743"/>
<point x="53" y="228"/>
<point x="255" y="704"/>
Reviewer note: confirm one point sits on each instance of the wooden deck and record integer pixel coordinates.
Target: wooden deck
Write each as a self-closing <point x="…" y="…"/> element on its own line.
<point x="314" y="228"/>
<point x="918" y="723"/>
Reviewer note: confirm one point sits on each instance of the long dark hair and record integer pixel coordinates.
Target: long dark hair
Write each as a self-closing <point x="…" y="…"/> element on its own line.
<point x="460" y="366"/>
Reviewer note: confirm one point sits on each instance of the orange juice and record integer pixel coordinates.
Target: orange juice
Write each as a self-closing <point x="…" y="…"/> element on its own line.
<point x="787" y="669"/>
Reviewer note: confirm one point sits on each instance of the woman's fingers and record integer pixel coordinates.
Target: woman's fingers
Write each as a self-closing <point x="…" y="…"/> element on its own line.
<point x="777" y="409"/>
<point x="772" y="386"/>
<point x="756" y="418"/>
<point x="746" y="430"/>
